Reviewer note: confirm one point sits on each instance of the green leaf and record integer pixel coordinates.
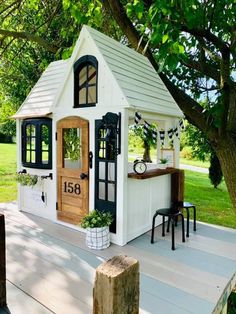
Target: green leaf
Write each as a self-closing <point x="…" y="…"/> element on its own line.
<point x="165" y="38"/>
<point x="172" y="61"/>
<point x="129" y="9"/>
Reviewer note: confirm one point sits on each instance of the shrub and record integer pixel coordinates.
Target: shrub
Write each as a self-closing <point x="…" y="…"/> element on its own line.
<point x="215" y="172"/>
<point x="186" y="153"/>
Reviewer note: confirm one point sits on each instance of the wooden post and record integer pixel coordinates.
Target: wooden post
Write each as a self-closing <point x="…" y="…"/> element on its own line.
<point x="3" y="300"/>
<point x="177" y="186"/>
<point x="116" y="288"/>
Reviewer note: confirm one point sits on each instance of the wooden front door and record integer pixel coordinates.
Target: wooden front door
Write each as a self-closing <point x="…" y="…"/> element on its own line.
<point x="72" y="169"/>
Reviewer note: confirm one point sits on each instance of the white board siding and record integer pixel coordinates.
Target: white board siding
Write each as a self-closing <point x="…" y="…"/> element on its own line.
<point x="145" y="197"/>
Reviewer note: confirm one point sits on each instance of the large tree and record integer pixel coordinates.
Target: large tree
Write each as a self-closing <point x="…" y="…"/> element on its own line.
<point x="191" y="44"/>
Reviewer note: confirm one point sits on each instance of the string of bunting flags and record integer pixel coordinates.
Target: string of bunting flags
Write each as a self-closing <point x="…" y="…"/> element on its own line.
<point x="171" y="132"/>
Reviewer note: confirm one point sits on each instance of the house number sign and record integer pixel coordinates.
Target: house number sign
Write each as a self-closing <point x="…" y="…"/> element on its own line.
<point x="72" y="188"/>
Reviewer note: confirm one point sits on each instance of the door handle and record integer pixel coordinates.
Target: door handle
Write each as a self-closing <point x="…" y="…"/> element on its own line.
<point x="83" y="176"/>
<point x="90" y="160"/>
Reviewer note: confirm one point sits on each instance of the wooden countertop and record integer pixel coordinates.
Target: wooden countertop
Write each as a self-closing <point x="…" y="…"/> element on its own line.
<point x="152" y="173"/>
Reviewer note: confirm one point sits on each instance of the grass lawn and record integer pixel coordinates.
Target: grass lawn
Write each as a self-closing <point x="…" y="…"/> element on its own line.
<point x="213" y="205"/>
<point x="8" y="186"/>
<point x="193" y="162"/>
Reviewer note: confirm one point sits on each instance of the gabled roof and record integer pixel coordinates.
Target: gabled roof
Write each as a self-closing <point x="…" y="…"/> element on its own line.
<point x="136" y="77"/>
<point x="41" y="98"/>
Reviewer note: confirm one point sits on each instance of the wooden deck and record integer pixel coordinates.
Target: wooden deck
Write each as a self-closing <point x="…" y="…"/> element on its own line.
<point x="50" y="270"/>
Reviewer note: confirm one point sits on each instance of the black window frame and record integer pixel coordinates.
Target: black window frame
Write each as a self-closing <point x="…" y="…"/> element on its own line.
<point x="81" y="63"/>
<point x="37" y="123"/>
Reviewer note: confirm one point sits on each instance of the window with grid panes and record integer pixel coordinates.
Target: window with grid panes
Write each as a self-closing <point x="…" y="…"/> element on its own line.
<point x="37" y="143"/>
<point x="85" y="81"/>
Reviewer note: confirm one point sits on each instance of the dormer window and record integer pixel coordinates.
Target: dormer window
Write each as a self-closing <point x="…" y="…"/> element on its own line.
<point x="85" y="82"/>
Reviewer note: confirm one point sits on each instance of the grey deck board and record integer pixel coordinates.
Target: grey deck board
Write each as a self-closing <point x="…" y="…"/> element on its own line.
<point x="185" y="254"/>
<point x="25" y="304"/>
<point x="54" y="271"/>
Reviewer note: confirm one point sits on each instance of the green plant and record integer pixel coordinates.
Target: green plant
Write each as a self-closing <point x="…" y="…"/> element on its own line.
<point x="96" y="219"/>
<point x="163" y="161"/>
<point x="26" y="179"/>
<point x="72" y="144"/>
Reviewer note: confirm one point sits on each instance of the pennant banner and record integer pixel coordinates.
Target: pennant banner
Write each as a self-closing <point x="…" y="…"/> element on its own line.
<point x="176" y="132"/>
<point x="170" y="134"/>
<point x="162" y="136"/>
<point x="154" y="136"/>
<point x="181" y="124"/>
<point x="137" y="117"/>
<point x="146" y="128"/>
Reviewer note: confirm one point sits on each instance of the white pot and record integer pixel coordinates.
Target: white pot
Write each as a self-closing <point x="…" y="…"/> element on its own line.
<point x="162" y="166"/>
<point x="98" y="238"/>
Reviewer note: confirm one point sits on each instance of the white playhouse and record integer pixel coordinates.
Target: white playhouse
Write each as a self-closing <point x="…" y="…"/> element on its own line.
<point x="73" y="135"/>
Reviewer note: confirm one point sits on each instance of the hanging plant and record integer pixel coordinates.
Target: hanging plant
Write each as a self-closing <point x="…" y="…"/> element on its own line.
<point x="72" y="144"/>
<point x="26" y="179"/>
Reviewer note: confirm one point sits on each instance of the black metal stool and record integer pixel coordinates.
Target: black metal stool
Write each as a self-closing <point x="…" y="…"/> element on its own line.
<point x="172" y="213"/>
<point x="187" y="206"/>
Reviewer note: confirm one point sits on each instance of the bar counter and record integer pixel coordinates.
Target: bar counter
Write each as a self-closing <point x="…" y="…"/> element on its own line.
<point x="152" y="173"/>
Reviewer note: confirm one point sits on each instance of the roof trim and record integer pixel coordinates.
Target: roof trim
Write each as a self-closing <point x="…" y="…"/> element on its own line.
<point x="31" y="115"/>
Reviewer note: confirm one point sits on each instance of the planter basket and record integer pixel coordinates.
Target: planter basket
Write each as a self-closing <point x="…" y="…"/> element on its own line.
<point x="98" y="238"/>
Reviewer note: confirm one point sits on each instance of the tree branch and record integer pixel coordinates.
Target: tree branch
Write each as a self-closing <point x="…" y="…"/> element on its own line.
<point x="10" y="5"/>
<point x="188" y="105"/>
<point x="221" y="45"/>
<point x="204" y="68"/>
<point x="24" y="35"/>
<point x="6" y="47"/>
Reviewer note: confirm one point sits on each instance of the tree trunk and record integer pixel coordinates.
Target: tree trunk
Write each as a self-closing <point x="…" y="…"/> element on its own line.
<point x="226" y="153"/>
<point x="146" y="154"/>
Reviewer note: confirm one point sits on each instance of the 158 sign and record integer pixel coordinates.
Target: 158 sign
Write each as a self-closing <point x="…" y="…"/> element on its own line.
<point x="72" y="188"/>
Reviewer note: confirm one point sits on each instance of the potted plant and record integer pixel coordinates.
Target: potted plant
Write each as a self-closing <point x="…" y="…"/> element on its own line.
<point x="26" y="179"/>
<point x="163" y="163"/>
<point x="97" y="225"/>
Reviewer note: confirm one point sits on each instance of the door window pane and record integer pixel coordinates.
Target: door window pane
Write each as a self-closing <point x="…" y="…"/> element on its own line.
<point x="101" y="191"/>
<point x="102" y="170"/>
<point x="72" y="148"/>
<point x="111" y="171"/>
<point x="111" y="192"/>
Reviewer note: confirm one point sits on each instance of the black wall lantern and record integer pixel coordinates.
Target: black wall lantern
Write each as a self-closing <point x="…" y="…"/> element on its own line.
<point x="112" y="123"/>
